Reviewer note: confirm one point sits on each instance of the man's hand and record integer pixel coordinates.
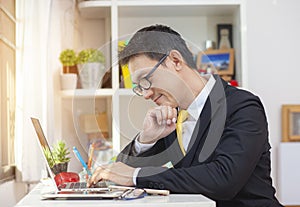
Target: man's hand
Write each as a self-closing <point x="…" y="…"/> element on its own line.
<point x="158" y="123"/>
<point x="118" y="173"/>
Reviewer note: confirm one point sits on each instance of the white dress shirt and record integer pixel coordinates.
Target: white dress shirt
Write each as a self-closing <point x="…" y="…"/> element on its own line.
<point x="188" y="126"/>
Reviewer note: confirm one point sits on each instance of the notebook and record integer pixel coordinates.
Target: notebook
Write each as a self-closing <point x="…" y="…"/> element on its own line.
<point x="73" y="190"/>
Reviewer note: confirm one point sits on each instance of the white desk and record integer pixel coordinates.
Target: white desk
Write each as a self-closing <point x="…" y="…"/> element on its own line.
<point x="33" y="200"/>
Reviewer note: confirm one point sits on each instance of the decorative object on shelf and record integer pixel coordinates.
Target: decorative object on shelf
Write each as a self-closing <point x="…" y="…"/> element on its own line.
<point x="209" y="45"/>
<point x="68" y="81"/>
<point x="234" y="83"/>
<point x="68" y="59"/>
<point x="58" y="158"/>
<point x="224" y="36"/>
<point x="107" y="79"/>
<point x="217" y="61"/>
<point x="96" y="128"/>
<point x="95" y="125"/>
<point x="126" y="77"/>
<point x="69" y="76"/>
<point x="91" y="68"/>
<point x="290" y="123"/>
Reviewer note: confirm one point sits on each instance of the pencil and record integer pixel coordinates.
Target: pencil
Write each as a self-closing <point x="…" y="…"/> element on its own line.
<point x="91" y="155"/>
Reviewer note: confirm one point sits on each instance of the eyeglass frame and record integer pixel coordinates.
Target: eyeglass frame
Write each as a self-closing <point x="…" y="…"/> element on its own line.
<point x="138" y="86"/>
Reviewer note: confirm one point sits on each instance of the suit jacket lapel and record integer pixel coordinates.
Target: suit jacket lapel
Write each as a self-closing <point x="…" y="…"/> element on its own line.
<point x="209" y="127"/>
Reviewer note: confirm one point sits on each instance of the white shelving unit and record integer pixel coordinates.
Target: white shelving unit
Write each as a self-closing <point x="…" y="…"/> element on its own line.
<point x="84" y="93"/>
<point x="195" y="20"/>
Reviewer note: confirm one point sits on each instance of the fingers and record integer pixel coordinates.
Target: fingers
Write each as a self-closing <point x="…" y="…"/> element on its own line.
<point x="174" y="111"/>
<point x="93" y="180"/>
<point x="116" y="172"/>
<point x="158" y="123"/>
<point x="165" y="115"/>
<point x="99" y="174"/>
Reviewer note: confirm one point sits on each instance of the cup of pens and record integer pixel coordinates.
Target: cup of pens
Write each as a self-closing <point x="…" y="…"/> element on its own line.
<point x="83" y="175"/>
<point x="87" y="169"/>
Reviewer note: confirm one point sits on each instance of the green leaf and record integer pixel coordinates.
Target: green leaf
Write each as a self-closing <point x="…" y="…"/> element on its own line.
<point x="68" y="57"/>
<point x="61" y="152"/>
<point x="90" y="56"/>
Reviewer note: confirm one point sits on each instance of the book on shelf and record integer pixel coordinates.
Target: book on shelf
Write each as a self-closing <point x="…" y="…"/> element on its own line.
<point x="124" y="68"/>
<point x="126" y="76"/>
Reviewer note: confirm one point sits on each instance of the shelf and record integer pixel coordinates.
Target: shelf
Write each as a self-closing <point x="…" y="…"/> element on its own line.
<point x="133" y="8"/>
<point x="86" y="93"/>
<point x="176" y="2"/>
<point x="125" y="92"/>
<point x="104" y="21"/>
<point x="95" y="9"/>
<point x="178" y="10"/>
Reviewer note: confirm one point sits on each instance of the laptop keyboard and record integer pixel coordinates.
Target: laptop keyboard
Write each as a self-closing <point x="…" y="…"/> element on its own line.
<point x="78" y="185"/>
<point x="82" y="185"/>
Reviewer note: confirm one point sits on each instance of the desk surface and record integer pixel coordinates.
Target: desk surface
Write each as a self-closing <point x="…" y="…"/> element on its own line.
<point x="33" y="200"/>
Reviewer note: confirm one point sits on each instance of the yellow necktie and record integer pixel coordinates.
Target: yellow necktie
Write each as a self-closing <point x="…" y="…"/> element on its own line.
<point x="183" y="115"/>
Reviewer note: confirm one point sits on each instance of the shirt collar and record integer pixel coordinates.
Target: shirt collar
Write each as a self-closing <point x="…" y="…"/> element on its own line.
<point x="197" y="105"/>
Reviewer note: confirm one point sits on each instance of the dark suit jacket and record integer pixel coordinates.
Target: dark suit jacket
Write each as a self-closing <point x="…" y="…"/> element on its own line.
<point x="228" y="158"/>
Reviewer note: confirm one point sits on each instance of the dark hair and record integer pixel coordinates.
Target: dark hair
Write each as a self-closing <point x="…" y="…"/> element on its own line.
<point x="155" y="41"/>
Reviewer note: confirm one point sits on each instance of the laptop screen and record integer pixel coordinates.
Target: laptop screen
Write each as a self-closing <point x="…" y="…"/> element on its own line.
<point x="46" y="151"/>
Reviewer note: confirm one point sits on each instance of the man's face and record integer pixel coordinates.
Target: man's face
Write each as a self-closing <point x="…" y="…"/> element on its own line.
<point x="165" y="88"/>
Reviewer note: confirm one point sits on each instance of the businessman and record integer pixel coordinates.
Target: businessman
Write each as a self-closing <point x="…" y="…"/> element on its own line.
<point x="204" y="136"/>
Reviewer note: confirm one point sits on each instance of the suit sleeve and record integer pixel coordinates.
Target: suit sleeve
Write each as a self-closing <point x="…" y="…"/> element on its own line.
<point x="226" y="171"/>
<point x="147" y="158"/>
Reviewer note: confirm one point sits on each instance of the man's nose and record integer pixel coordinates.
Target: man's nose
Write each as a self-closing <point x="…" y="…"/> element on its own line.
<point x="147" y="93"/>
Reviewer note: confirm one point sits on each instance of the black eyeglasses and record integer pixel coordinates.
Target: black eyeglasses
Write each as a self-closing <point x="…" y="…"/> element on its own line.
<point x="145" y="83"/>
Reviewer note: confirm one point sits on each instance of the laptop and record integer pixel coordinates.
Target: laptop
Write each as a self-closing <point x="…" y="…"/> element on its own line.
<point x="76" y="190"/>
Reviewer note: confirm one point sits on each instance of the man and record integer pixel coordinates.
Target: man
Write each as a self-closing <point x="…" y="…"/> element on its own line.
<point x="222" y="149"/>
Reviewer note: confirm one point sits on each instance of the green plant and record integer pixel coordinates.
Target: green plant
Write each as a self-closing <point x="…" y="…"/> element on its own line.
<point x="60" y="154"/>
<point x="90" y="56"/>
<point x="48" y="156"/>
<point x="68" y="57"/>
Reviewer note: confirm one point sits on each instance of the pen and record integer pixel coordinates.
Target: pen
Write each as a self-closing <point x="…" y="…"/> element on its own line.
<point x="77" y="154"/>
<point x="91" y="155"/>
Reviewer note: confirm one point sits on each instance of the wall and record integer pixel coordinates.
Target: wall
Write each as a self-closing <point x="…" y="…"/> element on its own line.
<point x="272" y="43"/>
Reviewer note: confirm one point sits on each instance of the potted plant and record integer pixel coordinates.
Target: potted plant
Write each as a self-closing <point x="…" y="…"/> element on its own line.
<point x="68" y="59"/>
<point x="91" y="67"/>
<point x="58" y="158"/>
<point x="90" y="56"/>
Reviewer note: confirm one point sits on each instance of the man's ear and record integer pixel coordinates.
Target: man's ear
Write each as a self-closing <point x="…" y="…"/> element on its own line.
<point x="176" y="59"/>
